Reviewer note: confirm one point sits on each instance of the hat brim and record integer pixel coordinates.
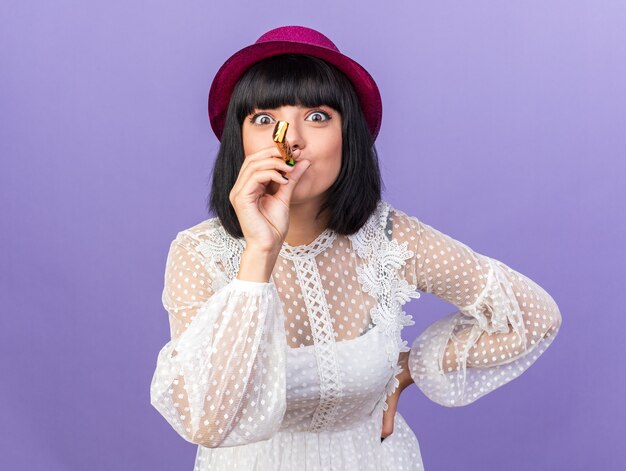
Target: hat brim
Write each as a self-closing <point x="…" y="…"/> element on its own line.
<point x="230" y="72"/>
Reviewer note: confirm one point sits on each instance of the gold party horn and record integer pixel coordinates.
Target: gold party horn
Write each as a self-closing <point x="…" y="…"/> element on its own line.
<point x="280" y="135"/>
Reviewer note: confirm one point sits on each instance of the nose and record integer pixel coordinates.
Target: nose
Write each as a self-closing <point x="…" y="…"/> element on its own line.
<point x="295" y="139"/>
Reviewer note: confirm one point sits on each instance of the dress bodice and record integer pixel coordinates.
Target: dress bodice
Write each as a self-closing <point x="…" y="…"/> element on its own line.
<point x="362" y="373"/>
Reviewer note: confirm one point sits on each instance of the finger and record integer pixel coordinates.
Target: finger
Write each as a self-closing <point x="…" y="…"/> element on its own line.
<point x="270" y="151"/>
<point x="246" y="174"/>
<point x="389" y="415"/>
<point x="269" y="163"/>
<point x="263" y="154"/>
<point x="257" y="184"/>
<point x="264" y="164"/>
<point x="294" y="177"/>
<point x="264" y="177"/>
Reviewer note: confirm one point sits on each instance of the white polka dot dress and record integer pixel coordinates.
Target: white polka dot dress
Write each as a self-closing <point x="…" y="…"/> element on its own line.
<point x="293" y="374"/>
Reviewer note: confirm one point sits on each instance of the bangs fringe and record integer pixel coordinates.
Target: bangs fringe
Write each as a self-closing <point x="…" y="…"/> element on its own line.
<point x="290" y="79"/>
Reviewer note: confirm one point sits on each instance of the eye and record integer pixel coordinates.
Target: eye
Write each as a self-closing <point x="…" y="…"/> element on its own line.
<point x="316" y="115"/>
<point x="259" y="119"/>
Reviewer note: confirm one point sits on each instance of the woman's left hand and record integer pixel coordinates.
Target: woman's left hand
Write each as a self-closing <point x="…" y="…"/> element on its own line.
<point x="392" y="401"/>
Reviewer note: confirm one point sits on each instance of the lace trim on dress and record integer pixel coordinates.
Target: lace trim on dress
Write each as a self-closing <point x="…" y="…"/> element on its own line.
<point x="380" y="276"/>
<point x="321" y="243"/>
<point x="217" y="245"/>
<point x="324" y="340"/>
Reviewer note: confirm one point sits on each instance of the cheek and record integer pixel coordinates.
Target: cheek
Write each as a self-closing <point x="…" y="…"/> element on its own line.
<point x="331" y="167"/>
<point x="336" y="153"/>
<point x="247" y="143"/>
<point x="251" y="141"/>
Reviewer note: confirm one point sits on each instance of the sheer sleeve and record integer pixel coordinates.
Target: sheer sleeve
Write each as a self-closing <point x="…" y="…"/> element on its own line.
<point x="504" y="321"/>
<point x="220" y="380"/>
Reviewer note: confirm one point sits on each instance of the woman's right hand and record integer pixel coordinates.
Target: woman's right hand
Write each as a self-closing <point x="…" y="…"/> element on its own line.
<point x="261" y="198"/>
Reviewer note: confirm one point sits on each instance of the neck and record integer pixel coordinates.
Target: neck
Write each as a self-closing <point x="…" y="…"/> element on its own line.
<point x="303" y="226"/>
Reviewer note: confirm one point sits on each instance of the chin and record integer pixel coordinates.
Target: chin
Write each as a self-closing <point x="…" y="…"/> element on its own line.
<point x="303" y="194"/>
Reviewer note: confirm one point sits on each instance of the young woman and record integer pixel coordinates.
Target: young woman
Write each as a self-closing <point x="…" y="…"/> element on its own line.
<point x="286" y="310"/>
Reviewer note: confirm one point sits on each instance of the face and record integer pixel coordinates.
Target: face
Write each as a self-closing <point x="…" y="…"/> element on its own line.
<point x="314" y="134"/>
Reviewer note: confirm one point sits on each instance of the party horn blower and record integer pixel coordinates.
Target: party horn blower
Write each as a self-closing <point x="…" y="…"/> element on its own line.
<point x="280" y="138"/>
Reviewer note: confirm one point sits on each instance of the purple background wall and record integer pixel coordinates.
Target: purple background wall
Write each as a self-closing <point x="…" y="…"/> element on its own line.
<point x="504" y="126"/>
